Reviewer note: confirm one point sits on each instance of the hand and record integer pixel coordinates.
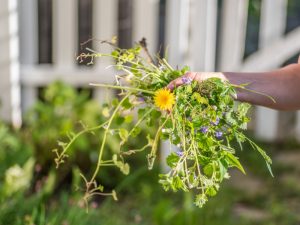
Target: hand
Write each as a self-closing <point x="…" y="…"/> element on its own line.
<point x="197" y="76"/>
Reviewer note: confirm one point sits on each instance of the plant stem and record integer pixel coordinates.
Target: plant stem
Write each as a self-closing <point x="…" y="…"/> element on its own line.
<point x="167" y="64"/>
<point x="156" y="139"/>
<point x="256" y="92"/>
<point x="60" y="156"/>
<point x="139" y="121"/>
<point x="105" y="136"/>
<point x="123" y="88"/>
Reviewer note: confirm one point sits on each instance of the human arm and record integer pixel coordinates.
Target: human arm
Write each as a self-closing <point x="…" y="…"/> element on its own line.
<point x="283" y="85"/>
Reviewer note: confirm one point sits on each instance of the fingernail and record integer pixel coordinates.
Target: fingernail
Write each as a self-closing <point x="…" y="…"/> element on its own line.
<point x="170" y="86"/>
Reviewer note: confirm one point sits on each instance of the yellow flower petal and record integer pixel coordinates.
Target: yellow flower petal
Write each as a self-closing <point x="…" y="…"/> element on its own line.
<point x="164" y="99"/>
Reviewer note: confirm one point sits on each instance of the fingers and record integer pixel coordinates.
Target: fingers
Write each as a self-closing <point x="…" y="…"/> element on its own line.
<point x="175" y="83"/>
<point x="185" y="79"/>
<point x="299" y="60"/>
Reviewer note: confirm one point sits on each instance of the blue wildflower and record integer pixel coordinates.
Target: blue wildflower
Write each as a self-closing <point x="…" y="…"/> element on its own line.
<point x="219" y="134"/>
<point x="141" y="99"/>
<point x="204" y="130"/>
<point x="179" y="153"/>
<point x="186" y="80"/>
<point x="216" y="122"/>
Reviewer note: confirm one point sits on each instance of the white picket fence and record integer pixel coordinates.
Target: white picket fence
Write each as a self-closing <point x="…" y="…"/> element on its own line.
<point x="191" y="38"/>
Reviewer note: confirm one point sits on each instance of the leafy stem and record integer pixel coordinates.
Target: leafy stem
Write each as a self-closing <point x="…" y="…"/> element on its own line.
<point x="61" y="155"/>
<point x="105" y="136"/>
<point x="123" y="88"/>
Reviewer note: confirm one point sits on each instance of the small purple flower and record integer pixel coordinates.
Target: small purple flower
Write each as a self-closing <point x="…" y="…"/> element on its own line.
<point x="216" y="122"/>
<point x="179" y="153"/>
<point x="219" y="134"/>
<point x="204" y="130"/>
<point x="141" y="99"/>
<point x="186" y="80"/>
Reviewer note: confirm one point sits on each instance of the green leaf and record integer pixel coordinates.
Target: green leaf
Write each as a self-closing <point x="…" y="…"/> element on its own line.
<point x="115" y="102"/>
<point x="243" y="108"/>
<point x="135" y="132"/>
<point x="208" y="170"/>
<point x="128" y="118"/>
<point x="222" y="168"/>
<point x="270" y="169"/>
<point x="172" y="160"/>
<point x="141" y="112"/>
<point x="233" y="161"/>
<point x="240" y="138"/>
<point x="119" y="119"/>
<point x="155" y="114"/>
<point x="126" y="104"/>
<point x="260" y="150"/>
<point x="201" y="199"/>
<point x="123" y="134"/>
<point x="124" y="167"/>
<point x="211" y="191"/>
<point x="199" y="98"/>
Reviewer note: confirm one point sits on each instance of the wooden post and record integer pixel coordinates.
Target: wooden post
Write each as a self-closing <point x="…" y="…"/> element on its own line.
<point x="177" y="31"/>
<point x="105" y="23"/>
<point x="65" y="35"/>
<point x="145" y="22"/>
<point x="271" y="29"/>
<point x="203" y="35"/>
<point x="9" y="60"/>
<point x="233" y="34"/>
<point x="105" y="27"/>
<point x="28" y="21"/>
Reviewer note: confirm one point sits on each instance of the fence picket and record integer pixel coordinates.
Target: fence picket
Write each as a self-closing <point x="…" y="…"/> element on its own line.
<point x="203" y="34"/>
<point x="105" y="27"/>
<point x="177" y="31"/>
<point x="65" y="34"/>
<point x="10" y="68"/>
<point x="233" y="34"/>
<point x="145" y="22"/>
<point x="28" y="21"/>
<point x="271" y="29"/>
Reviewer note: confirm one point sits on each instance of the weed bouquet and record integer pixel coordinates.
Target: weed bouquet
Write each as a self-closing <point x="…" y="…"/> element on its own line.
<point x="200" y="120"/>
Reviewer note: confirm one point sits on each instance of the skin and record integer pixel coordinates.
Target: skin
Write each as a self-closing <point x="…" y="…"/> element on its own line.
<point x="283" y="85"/>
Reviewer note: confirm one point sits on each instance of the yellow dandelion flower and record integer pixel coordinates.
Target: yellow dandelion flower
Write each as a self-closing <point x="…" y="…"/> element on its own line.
<point x="164" y="99"/>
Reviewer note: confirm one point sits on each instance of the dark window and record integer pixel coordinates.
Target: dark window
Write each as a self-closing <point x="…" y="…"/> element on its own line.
<point x="85" y="31"/>
<point x="293" y="15"/>
<point x="125" y="23"/>
<point x="162" y="27"/>
<point x="252" y="33"/>
<point x="45" y="31"/>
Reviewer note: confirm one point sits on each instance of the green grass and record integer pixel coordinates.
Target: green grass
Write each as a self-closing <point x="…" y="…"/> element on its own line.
<point x="143" y="201"/>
